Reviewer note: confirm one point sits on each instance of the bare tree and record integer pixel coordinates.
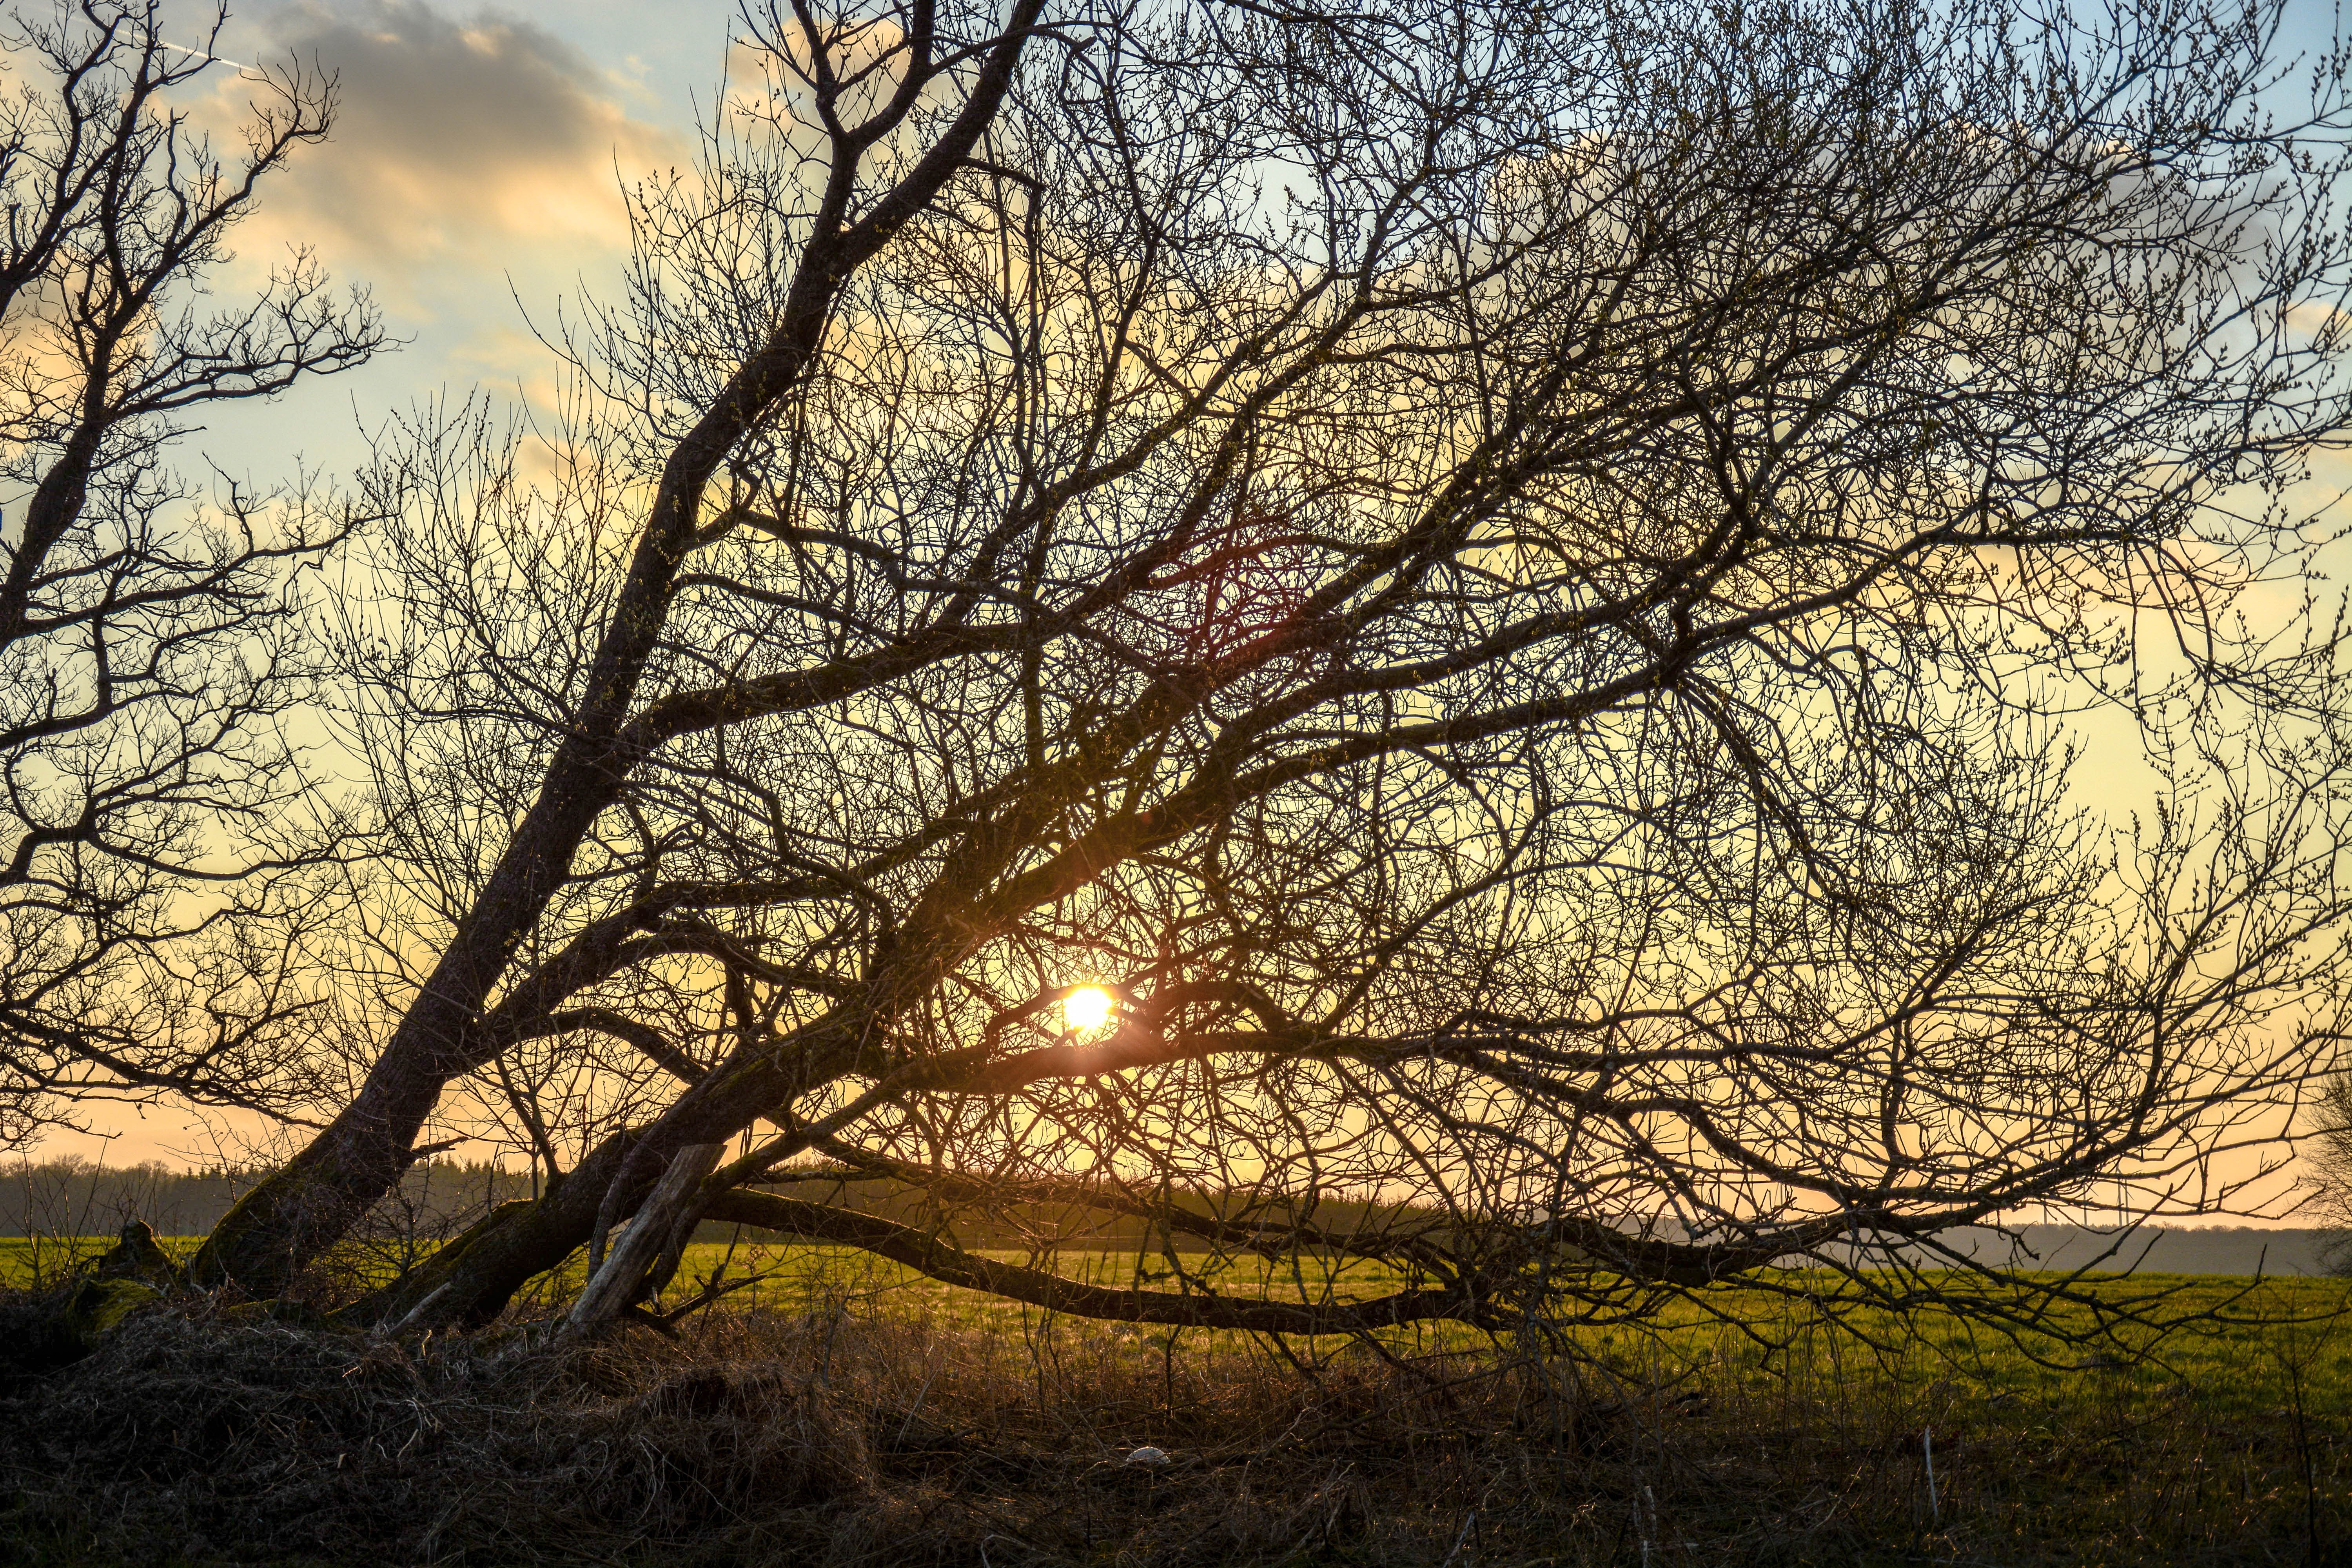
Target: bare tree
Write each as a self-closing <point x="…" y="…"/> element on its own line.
<point x="2327" y="1159"/>
<point x="1510" y="586"/>
<point x="150" y="644"/>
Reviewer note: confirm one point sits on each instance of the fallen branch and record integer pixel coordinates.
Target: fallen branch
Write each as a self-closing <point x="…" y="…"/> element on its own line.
<point x="950" y="1264"/>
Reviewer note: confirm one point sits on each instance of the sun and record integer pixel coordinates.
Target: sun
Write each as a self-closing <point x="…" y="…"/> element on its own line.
<point x="1086" y="1008"/>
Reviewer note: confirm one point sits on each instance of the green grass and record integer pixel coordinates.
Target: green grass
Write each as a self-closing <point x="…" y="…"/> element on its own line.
<point x="2211" y="1423"/>
<point x="2249" y="1344"/>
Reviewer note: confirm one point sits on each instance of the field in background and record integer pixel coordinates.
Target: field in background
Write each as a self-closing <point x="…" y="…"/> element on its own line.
<point x="2235" y="1340"/>
<point x="1744" y="1425"/>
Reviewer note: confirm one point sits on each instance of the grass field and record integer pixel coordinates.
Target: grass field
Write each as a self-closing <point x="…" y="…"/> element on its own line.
<point x="2244" y="1342"/>
<point x="1741" y="1426"/>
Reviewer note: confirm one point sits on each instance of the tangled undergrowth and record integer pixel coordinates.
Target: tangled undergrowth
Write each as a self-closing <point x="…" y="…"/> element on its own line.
<point x="847" y="1434"/>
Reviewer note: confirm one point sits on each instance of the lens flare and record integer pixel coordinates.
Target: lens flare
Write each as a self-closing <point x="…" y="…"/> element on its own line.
<point x="1088" y="1008"/>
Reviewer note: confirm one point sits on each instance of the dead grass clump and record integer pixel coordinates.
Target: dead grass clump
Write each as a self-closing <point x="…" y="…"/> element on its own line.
<point x="203" y="1438"/>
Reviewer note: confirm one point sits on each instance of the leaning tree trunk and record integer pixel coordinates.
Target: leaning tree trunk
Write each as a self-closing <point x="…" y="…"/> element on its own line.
<point x="471" y="1280"/>
<point x="288" y="1218"/>
<point x="298" y="1212"/>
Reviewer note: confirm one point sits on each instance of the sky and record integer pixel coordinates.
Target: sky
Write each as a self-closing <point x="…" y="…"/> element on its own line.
<point x="473" y="181"/>
<point x="473" y="184"/>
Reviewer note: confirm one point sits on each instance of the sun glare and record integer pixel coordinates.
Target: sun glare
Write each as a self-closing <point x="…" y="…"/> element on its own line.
<point x="1088" y="1007"/>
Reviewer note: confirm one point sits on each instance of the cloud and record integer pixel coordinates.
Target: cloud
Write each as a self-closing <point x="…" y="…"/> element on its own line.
<point x="454" y="141"/>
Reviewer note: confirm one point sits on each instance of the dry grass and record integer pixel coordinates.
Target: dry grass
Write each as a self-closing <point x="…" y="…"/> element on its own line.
<point x="859" y="1424"/>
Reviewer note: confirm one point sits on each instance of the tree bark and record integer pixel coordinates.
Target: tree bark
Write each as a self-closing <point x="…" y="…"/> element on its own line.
<point x="929" y="1255"/>
<point x="475" y="1274"/>
<point x="615" y="1286"/>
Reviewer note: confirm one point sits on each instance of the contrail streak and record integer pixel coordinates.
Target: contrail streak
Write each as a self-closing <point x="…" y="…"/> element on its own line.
<point x="202" y="54"/>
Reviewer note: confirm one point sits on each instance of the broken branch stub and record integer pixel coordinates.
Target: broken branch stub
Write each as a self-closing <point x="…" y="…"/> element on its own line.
<point x="612" y="1288"/>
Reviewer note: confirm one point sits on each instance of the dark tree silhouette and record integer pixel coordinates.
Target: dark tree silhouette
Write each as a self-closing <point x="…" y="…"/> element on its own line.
<point x="1512" y="582"/>
<point x="2327" y="1157"/>
<point x="150" y="642"/>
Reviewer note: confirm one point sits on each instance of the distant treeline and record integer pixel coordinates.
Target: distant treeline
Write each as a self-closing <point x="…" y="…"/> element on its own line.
<point x="76" y="1197"/>
<point x="2237" y="1249"/>
<point x="73" y="1197"/>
